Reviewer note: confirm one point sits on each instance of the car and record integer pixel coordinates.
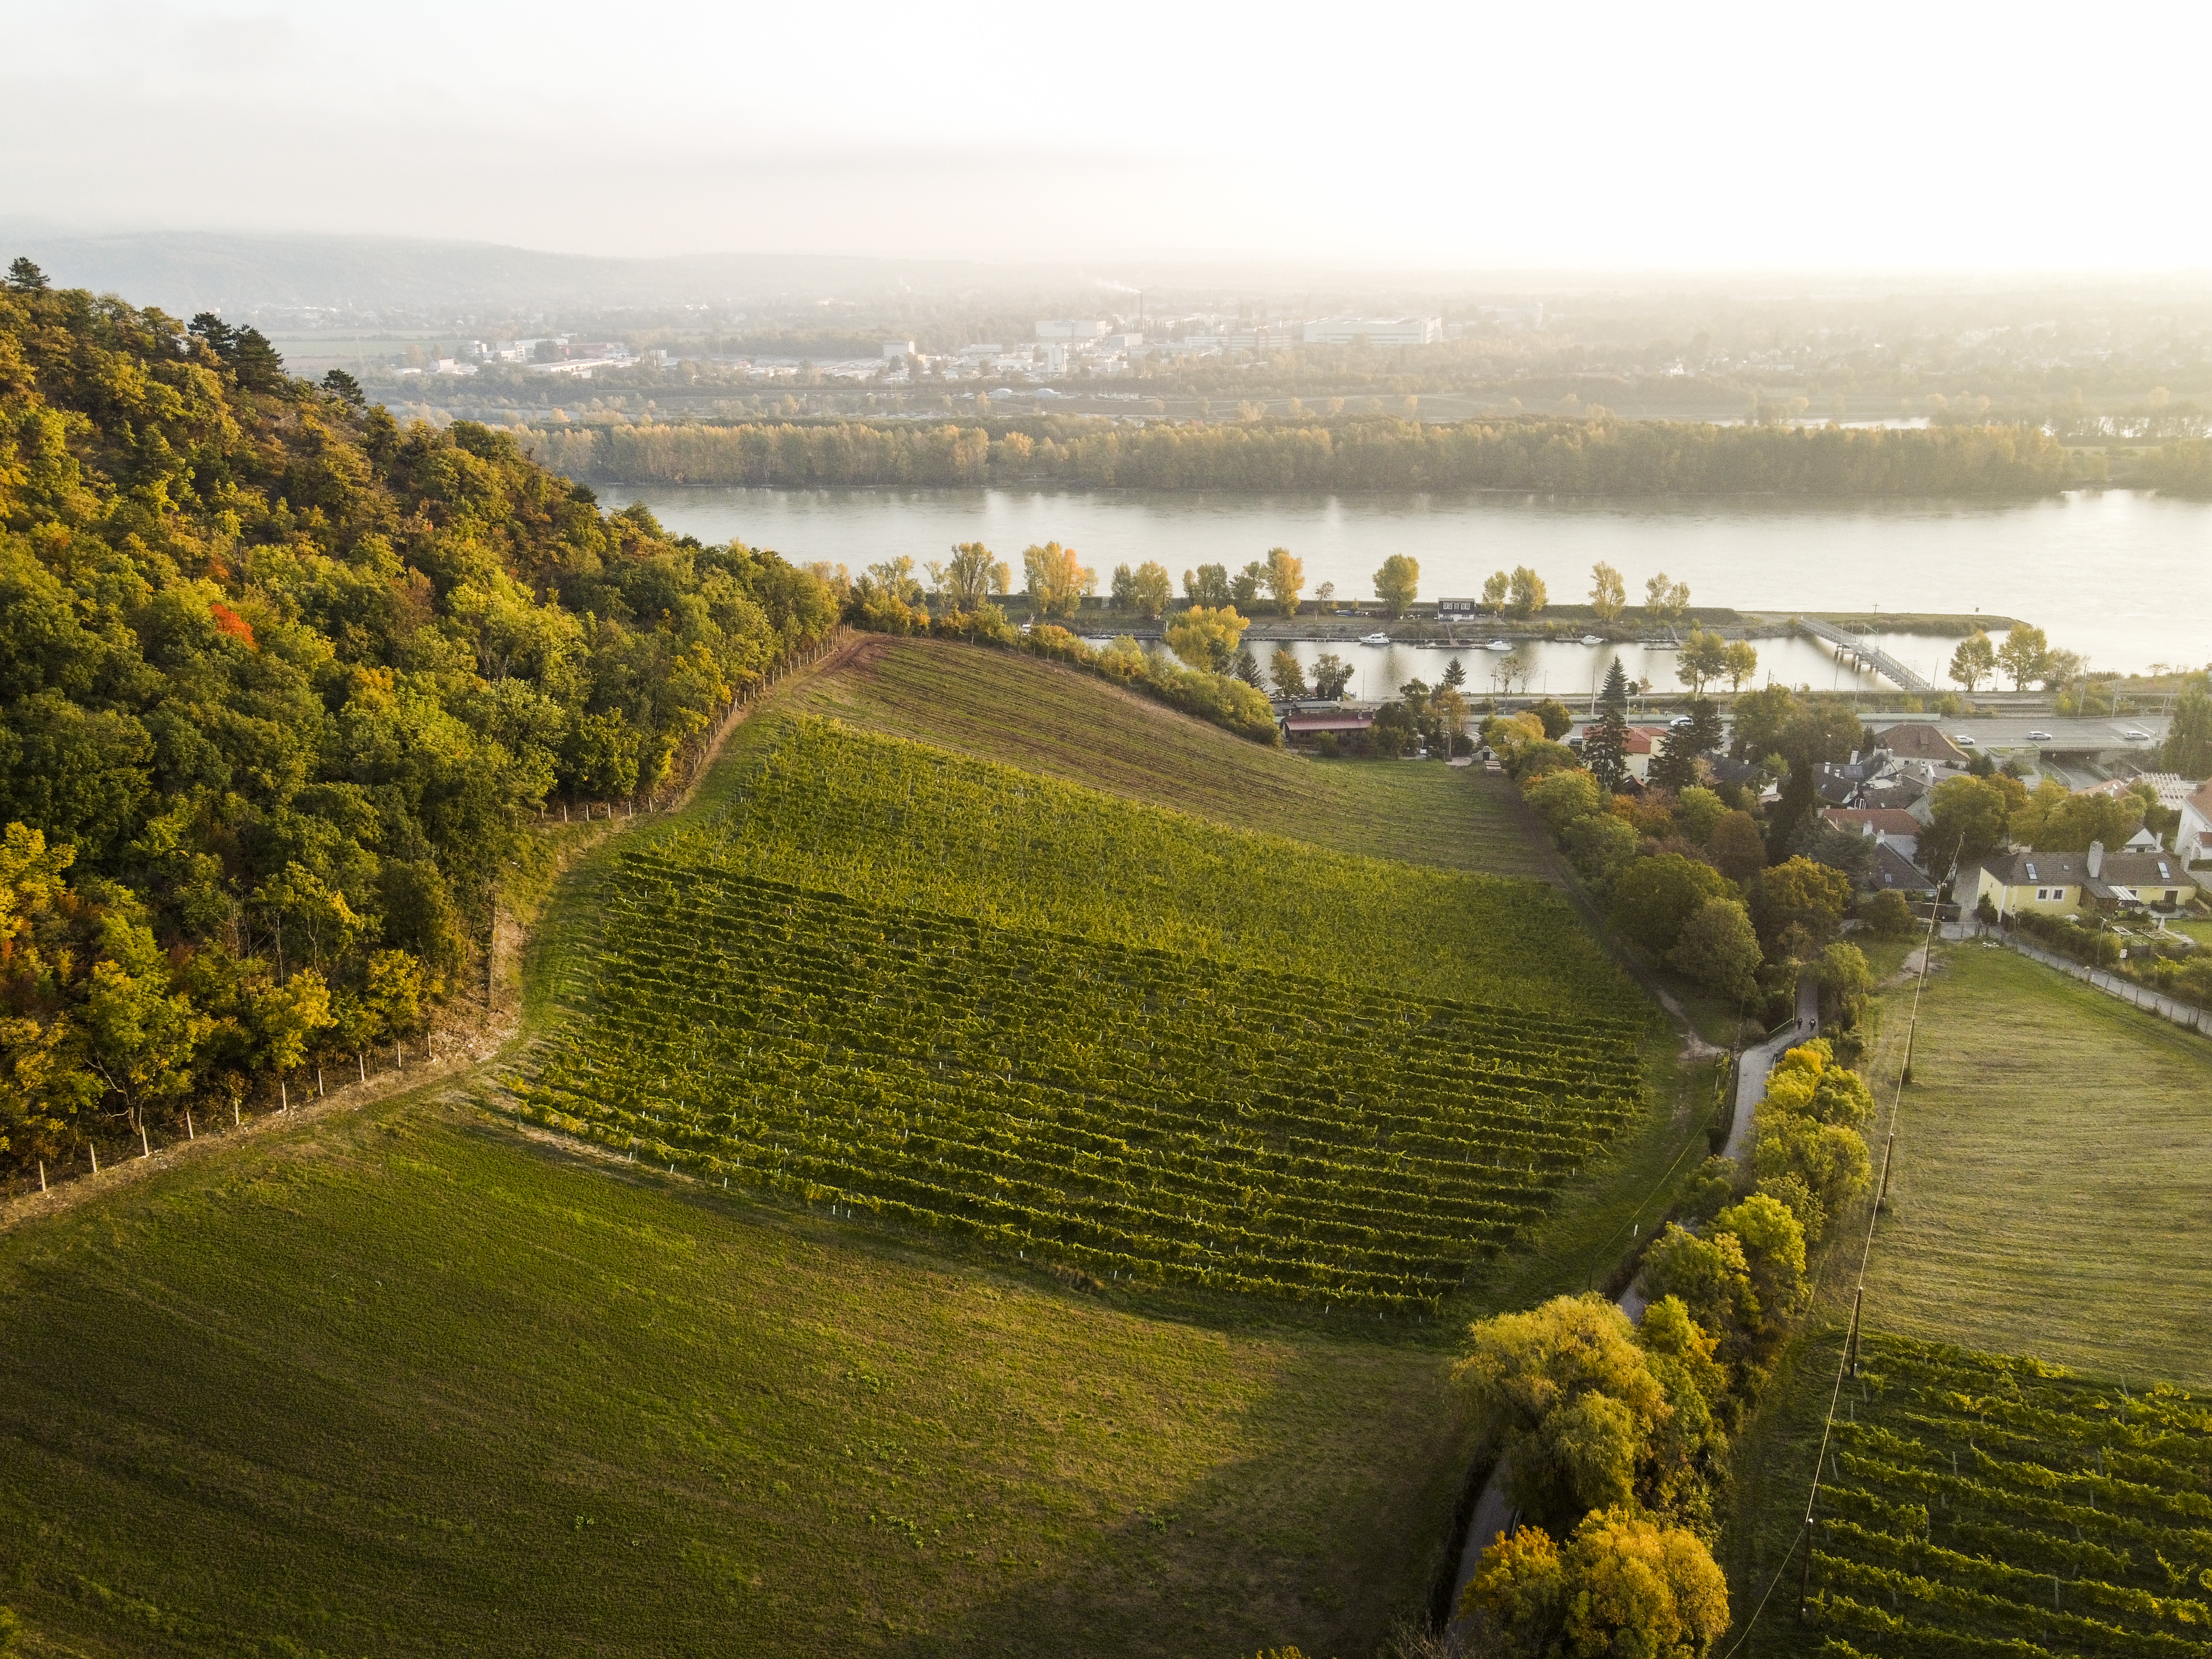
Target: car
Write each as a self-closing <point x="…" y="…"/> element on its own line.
<point x="2136" y="735"/>
<point x="1962" y="740"/>
<point x="1681" y="723"/>
<point x="2039" y="737"/>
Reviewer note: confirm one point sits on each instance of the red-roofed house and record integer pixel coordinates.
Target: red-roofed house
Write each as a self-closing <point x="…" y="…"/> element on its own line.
<point x="1890" y="826"/>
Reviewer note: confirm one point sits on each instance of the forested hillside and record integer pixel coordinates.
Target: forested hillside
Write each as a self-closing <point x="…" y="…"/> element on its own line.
<point x="1601" y="457"/>
<point x="280" y="685"/>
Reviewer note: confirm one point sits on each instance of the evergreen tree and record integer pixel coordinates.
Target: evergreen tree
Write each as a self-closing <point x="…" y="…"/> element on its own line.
<point x="1605" y="746"/>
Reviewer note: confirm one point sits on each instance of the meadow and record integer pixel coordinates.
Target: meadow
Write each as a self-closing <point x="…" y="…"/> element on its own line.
<point x="1042" y="718"/>
<point x="401" y="1383"/>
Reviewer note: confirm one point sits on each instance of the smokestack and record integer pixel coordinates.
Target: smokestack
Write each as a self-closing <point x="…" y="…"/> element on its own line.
<point x="2096" y="859"/>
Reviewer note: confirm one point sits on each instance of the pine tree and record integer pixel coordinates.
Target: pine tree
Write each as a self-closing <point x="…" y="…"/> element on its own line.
<point x="1605" y="746"/>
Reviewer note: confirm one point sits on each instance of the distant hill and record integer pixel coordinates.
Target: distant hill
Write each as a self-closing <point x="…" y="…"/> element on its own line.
<point x="188" y="271"/>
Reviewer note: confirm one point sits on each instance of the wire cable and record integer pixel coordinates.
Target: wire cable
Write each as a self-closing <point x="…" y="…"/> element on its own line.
<point x="1866" y="1251"/>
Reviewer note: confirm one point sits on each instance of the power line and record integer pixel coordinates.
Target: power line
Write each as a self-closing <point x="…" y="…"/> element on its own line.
<point x="1847" y="1361"/>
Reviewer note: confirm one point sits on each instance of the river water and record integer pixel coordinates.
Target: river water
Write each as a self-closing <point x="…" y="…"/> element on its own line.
<point x="2123" y="576"/>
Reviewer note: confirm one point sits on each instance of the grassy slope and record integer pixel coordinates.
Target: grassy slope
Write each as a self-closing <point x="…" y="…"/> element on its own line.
<point x="590" y="1411"/>
<point x="2052" y="1186"/>
<point x="1045" y="718"/>
<point x="400" y="1384"/>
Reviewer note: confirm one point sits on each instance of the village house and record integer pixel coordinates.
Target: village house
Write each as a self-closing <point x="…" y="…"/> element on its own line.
<point x="2081" y="884"/>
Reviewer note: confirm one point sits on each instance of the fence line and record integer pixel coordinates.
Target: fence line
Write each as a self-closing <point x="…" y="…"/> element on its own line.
<point x="2155" y="1002"/>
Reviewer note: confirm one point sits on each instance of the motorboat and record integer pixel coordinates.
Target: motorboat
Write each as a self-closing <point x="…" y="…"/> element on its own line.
<point x="1499" y="645"/>
<point x="1592" y="639"/>
<point x="1379" y="637"/>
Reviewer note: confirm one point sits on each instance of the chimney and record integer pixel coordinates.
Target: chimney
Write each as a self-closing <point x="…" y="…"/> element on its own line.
<point x="2096" y="859"/>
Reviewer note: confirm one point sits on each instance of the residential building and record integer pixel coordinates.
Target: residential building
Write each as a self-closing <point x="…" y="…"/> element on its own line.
<point x="2193" y="839"/>
<point x="1895" y="872"/>
<point x="1921" y="740"/>
<point x="2081" y="884"/>
<point x="1891" y="826"/>
<point x="1301" y="722"/>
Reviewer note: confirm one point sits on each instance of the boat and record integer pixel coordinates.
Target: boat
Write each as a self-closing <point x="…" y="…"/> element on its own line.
<point x="1377" y="638"/>
<point x="1499" y="645"/>
<point x="1592" y="639"/>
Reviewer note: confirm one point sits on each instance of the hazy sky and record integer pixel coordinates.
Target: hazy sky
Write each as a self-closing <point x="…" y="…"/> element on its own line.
<point x="1887" y="136"/>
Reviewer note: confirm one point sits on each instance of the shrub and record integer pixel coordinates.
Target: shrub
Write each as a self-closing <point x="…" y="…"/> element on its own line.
<point x="1887" y="915"/>
<point x="1845" y="984"/>
<point x="1625" y="1586"/>
<point x="1773" y="1241"/>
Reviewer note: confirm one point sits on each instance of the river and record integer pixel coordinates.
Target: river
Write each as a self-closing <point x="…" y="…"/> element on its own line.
<point x="2123" y="576"/>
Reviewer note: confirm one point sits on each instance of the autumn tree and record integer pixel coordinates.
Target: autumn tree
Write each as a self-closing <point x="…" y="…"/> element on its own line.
<point x="1145" y="591"/>
<point x="1206" y="637"/>
<point x="1397" y="583"/>
<point x="1739" y="663"/>
<point x="2024" y="654"/>
<point x="1286" y="580"/>
<point x="1718" y="946"/>
<point x="1331" y="675"/>
<point x="1609" y="593"/>
<point x="1569" y="1393"/>
<point x="1208" y="585"/>
<point x="1528" y="592"/>
<point x="1974" y="660"/>
<point x="1057" y="579"/>
<point x="1704" y="657"/>
<point x="1289" y="676"/>
<point x="970" y="576"/>
<point x="1665" y="600"/>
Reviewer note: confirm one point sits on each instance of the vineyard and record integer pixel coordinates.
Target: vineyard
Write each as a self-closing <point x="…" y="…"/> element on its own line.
<point x="895" y="822"/>
<point x="958" y="999"/>
<point x="1975" y="1504"/>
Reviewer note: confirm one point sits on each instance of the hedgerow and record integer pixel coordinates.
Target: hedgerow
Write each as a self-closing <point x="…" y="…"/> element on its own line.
<point x="1980" y="1504"/>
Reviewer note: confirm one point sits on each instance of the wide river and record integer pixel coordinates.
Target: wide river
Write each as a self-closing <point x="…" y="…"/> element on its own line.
<point x="2123" y="576"/>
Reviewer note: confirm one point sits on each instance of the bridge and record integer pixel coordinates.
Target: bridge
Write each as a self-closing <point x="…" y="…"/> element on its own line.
<point x="1880" y="661"/>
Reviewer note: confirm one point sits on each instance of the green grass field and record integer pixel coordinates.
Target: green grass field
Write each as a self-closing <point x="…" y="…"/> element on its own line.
<point x="2052" y="1200"/>
<point x="2053" y="1193"/>
<point x="400" y="1384"/>
<point x="1051" y="720"/>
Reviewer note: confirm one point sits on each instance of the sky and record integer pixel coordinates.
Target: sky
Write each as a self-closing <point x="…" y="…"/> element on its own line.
<point x="1599" y="137"/>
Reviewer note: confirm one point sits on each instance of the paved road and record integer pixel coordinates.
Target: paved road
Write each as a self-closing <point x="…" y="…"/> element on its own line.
<point x="1494" y="1514"/>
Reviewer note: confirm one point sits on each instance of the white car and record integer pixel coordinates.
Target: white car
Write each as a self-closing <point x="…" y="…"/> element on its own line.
<point x="1962" y="740"/>
<point x="2134" y="735"/>
<point x="2039" y="737"/>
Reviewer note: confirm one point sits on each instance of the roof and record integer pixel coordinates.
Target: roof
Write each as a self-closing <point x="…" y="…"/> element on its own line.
<point x="1643" y="739"/>
<point x="2072" y="870"/>
<point x="2200" y="802"/>
<point x="1724" y="770"/>
<point x="1893" y="870"/>
<point x="1920" y="740"/>
<point x="1874" y="821"/>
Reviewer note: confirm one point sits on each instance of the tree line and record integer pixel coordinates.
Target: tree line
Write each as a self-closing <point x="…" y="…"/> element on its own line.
<point x="1603" y="456"/>
<point x="283" y="688"/>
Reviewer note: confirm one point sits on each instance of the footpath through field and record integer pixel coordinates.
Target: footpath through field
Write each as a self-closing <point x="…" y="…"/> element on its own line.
<point x="1494" y="1516"/>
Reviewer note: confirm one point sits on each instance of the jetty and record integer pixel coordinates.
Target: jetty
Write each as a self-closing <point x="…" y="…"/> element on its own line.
<point x="1864" y="653"/>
